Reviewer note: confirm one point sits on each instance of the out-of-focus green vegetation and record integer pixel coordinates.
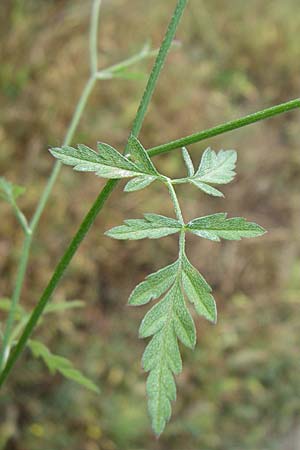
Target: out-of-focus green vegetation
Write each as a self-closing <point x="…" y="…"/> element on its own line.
<point x="240" y="388"/>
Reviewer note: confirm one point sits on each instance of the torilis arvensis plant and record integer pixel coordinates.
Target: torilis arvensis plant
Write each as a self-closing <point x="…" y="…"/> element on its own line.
<point x="169" y="320"/>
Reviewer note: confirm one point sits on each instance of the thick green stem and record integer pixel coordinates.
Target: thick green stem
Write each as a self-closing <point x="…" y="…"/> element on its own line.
<point x="225" y="127"/>
<point x="98" y="204"/>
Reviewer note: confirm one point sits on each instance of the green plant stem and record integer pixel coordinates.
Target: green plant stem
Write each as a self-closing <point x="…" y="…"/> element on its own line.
<point x="98" y="204"/>
<point x="96" y="6"/>
<point x="225" y="127"/>
<point x="30" y="229"/>
<point x="158" y="65"/>
<point x="175" y="202"/>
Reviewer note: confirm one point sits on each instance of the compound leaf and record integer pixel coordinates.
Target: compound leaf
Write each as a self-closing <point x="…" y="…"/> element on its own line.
<point x="154" y="285"/>
<point x="217" y="226"/>
<point x="153" y="226"/>
<point x="59" y="364"/>
<point x="198" y="291"/>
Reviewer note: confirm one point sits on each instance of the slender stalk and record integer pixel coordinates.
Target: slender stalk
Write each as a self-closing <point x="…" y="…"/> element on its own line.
<point x="175" y="201"/>
<point x="94" y="35"/>
<point x="15" y="299"/>
<point x="225" y="127"/>
<point x="158" y="65"/>
<point x="104" y="194"/>
<point x="30" y="229"/>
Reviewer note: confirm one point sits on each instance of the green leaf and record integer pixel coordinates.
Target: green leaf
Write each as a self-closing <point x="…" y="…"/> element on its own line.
<point x="154" y="285"/>
<point x="59" y="364"/>
<point x="109" y="163"/>
<point x="217" y="226"/>
<point x="5" y="305"/>
<point x="155" y="319"/>
<point x="198" y="291"/>
<point x="154" y="226"/>
<point x="183" y="323"/>
<point x="206" y="188"/>
<point x="188" y="162"/>
<point x="139" y="183"/>
<point x="165" y="321"/>
<point x="63" y="306"/>
<point x="217" y="168"/>
<point x="140" y="157"/>
<point x="9" y="192"/>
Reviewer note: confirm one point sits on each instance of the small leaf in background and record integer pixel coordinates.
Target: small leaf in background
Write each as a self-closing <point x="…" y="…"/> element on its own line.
<point x="198" y="291"/>
<point x="9" y="192"/>
<point x="59" y="364"/>
<point x="154" y="285"/>
<point x="154" y="226"/>
<point x="188" y="162"/>
<point x="139" y="183"/>
<point x="217" y="226"/>
<point x="63" y="306"/>
<point x="5" y="305"/>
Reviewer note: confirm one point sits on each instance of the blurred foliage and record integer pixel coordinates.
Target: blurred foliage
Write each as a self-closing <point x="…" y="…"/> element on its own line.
<point x="240" y="388"/>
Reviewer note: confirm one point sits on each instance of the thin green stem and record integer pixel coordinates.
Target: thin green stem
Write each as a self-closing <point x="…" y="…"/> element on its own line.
<point x="225" y="127"/>
<point x="30" y="229"/>
<point x="102" y="197"/>
<point x="15" y="299"/>
<point x="94" y="35"/>
<point x="158" y="65"/>
<point x="21" y="218"/>
<point x="175" y="201"/>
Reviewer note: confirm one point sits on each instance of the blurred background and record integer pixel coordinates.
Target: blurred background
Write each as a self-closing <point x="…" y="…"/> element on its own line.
<point x="240" y="387"/>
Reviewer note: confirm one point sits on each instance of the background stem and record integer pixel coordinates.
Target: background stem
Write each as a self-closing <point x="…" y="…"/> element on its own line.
<point x="29" y="230"/>
<point x="98" y="204"/>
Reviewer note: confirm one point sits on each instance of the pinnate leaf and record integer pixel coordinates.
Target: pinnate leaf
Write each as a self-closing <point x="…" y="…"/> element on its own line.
<point x="153" y="226"/>
<point x="217" y="226"/>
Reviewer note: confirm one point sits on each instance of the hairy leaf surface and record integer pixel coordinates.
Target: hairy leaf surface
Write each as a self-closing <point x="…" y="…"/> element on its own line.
<point x="217" y="226"/>
<point x="153" y="226"/>
<point x="154" y="285"/>
<point x="139" y="183"/>
<point x="198" y="291"/>
<point x="107" y="163"/>
<point x="217" y="168"/>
